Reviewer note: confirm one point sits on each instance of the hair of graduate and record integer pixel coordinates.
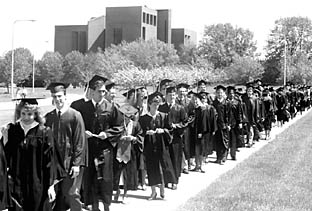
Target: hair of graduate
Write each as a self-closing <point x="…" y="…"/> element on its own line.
<point x="29" y="107"/>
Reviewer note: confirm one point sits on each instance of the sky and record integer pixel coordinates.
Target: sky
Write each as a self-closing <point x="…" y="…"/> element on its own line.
<point x="257" y="16"/>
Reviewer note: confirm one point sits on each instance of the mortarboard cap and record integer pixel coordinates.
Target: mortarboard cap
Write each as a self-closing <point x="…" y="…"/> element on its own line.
<point x="55" y="87"/>
<point x="199" y="95"/>
<point x="220" y="87"/>
<point x="30" y="101"/>
<point x="201" y="82"/>
<point x="170" y="89"/>
<point x="155" y="96"/>
<point x="95" y="80"/>
<point x="229" y="88"/>
<point x="184" y="85"/>
<point x="128" y="93"/>
<point x="128" y="110"/>
<point x="110" y="85"/>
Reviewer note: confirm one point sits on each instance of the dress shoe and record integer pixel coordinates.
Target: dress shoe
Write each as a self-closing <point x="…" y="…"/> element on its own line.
<point x="233" y="158"/>
<point x="201" y="170"/>
<point x="185" y="171"/>
<point x="152" y="197"/>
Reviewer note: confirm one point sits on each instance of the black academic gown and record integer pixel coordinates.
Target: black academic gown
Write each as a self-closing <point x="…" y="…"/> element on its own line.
<point x="155" y="149"/>
<point x="188" y="137"/>
<point x="178" y="117"/>
<point x="222" y="134"/>
<point x="98" y="180"/>
<point x="33" y="166"/>
<point x="5" y="196"/>
<point x="130" y="168"/>
<point x="70" y="140"/>
<point x="205" y="123"/>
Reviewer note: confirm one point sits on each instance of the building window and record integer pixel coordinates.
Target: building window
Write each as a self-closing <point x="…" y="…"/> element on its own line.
<point x="144" y="17"/>
<point x="151" y="19"/>
<point x="147" y="18"/>
<point x="143" y="32"/>
<point x="155" y="20"/>
<point x="117" y="35"/>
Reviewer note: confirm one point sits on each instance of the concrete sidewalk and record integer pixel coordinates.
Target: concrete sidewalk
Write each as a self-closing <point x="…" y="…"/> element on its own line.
<point x="191" y="184"/>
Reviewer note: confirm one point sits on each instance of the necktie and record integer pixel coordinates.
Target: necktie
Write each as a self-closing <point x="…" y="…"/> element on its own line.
<point x="59" y="128"/>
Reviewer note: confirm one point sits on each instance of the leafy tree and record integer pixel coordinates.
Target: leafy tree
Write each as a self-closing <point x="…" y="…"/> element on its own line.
<point x="149" y="54"/>
<point x="188" y="53"/>
<point x="222" y="42"/>
<point x="51" y="67"/>
<point x="244" y="69"/>
<point x="294" y="33"/>
<point x="23" y="60"/>
<point x="74" y="67"/>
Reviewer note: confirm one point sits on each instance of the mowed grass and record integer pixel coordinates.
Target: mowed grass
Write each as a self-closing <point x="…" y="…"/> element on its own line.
<point x="278" y="177"/>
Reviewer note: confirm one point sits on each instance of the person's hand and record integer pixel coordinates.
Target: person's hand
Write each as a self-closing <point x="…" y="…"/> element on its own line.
<point x="74" y="171"/>
<point x="150" y="132"/>
<point x="159" y="130"/>
<point x="102" y="135"/>
<point x="229" y="128"/>
<point x="51" y="193"/>
<point x="88" y="134"/>
<point x="174" y="126"/>
<point x="240" y="125"/>
<point x="200" y="135"/>
<point x="213" y="133"/>
<point x="4" y="131"/>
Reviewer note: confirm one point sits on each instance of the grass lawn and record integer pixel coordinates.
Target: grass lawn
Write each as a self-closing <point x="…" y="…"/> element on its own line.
<point x="39" y="92"/>
<point x="278" y="177"/>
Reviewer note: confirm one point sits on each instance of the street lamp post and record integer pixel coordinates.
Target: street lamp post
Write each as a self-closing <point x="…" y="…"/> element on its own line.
<point x="33" y="73"/>
<point x="285" y="59"/>
<point x="12" y="54"/>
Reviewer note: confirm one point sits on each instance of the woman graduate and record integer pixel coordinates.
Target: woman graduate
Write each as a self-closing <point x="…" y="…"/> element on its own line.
<point x="32" y="159"/>
<point x="155" y="126"/>
<point x="127" y="152"/>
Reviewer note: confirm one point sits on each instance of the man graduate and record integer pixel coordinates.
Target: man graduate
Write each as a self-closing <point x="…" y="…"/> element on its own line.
<point x="103" y="131"/>
<point x="69" y="136"/>
<point x="222" y="134"/>
<point x="177" y="121"/>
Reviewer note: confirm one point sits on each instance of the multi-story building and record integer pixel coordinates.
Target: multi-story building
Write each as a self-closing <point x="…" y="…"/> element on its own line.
<point x="183" y="37"/>
<point x="120" y="24"/>
<point x="70" y="38"/>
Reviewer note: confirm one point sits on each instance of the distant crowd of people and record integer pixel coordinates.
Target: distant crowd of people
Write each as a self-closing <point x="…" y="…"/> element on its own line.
<point x="82" y="154"/>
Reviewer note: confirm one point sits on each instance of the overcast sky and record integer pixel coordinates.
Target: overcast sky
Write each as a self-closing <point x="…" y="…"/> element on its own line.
<point x="257" y="16"/>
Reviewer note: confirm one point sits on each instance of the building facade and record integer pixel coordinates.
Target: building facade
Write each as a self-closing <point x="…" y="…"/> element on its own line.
<point x="70" y="38"/>
<point x="121" y="24"/>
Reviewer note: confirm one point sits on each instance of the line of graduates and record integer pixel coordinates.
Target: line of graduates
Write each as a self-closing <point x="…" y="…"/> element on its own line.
<point x="77" y="155"/>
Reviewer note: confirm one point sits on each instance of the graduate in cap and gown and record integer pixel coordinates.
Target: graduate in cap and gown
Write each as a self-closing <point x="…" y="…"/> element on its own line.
<point x="103" y="128"/>
<point x="235" y="120"/>
<point x="189" y="107"/>
<point x="204" y="126"/>
<point x="222" y="134"/>
<point x="128" y="150"/>
<point x="32" y="160"/>
<point x="157" y="137"/>
<point x="69" y="137"/>
<point x="177" y="121"/>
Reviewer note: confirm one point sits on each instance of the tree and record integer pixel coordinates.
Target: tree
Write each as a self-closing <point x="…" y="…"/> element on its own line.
<point x="51" y="67"/>
<point x="188" y="53"/>
<point x="244" y="69"/>
<point x="222" y="42"/>
<point x="74" y="64"/>
<point x="149" y="54"/>
<point x="23" y="60"/>
<point x="294" y="33"/>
